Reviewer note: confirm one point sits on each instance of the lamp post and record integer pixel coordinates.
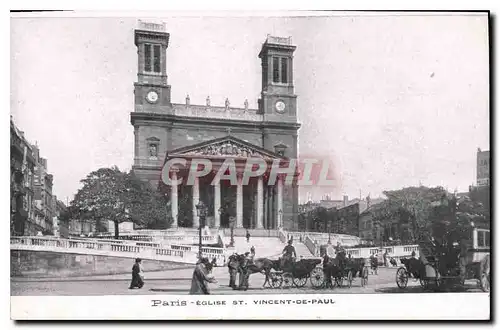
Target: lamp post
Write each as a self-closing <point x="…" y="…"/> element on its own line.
<point x="220" y="210"/>
<point x="232" y="220"/>
<point x="201" y="212"/>
<point x="280" y="212"/>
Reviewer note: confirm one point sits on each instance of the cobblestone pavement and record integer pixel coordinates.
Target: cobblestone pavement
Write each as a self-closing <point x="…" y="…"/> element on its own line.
<point x="179" y="282"/>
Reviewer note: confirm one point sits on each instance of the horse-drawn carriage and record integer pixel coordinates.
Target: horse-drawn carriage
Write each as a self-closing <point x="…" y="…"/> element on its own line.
<point x="324" y="272"/>
<point x="296" y="273"/>
<point x="439" y="266"/>
<point x="341" y="271"/>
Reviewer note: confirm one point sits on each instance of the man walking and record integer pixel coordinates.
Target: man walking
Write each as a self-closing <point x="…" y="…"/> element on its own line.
<point x="248" y="236"/>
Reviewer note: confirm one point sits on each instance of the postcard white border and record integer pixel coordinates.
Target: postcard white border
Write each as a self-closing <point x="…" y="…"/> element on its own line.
<point x="352" y="306"/>
<point x="433" y="306"/>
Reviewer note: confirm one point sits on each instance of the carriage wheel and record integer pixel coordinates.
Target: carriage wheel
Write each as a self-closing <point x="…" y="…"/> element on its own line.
<point x="484" y="282"/>
<point x="276" y="280"/>
<point x="339" y="281"/>
<point x="349" y="278"/>
<point x="402" y="278"/>
<point x="300" y="281"/>
<point x="287" y="280"/>
<point x="364" y="277"/>
<point x="317" y="277"/>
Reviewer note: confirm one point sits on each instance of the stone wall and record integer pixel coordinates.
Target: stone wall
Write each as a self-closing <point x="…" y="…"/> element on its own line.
<point x="38" y="264"/>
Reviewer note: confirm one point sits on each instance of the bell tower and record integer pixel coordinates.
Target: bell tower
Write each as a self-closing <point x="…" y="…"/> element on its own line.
<point x="278" y="101"/>
<point x="152" y="93"/>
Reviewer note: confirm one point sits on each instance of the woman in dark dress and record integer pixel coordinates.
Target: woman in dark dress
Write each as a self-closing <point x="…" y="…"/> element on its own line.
<point x="137" y="280"/>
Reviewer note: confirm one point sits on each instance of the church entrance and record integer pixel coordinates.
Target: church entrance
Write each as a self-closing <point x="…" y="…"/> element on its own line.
<point x="250" y="204"/>
<point x="228" y="202"/>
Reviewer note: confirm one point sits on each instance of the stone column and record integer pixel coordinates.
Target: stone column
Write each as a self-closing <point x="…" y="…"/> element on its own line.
<point x="280" y="202"/>
<point x="217" y="204"/>
<point x="266" y="208"/>
<point x="260" y="203"/>
<point x="239" y="202"/>
<point x="196" y="200"/>
<point x="174" y="200"/>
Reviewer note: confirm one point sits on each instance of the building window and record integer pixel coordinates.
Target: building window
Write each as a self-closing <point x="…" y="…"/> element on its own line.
<point x="280" y="70"/>
<point x="483" y="238"/>
<point x="147" y="57"/>
<point x="152" y="58"/>
<point x="284" y="70"/>
<point x="276" y="69"/>
<point x="156" y="58"/>
<point x="480" y="238"/>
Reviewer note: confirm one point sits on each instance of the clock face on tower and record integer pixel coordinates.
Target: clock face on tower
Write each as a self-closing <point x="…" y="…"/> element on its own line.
<point x="280" y="106"/>
<point x="152" y="97"/>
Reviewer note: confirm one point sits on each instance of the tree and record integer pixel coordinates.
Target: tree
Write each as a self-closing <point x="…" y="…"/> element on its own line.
<point x="435" y="212"/>
<point x="109" y="194"/>
<point x="102" y="197"/>
<point x="148" y="207"/>
<point x="417" y="203"/>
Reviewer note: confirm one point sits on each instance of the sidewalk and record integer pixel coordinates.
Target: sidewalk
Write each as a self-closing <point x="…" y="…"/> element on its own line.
<point x="184" y="274"/>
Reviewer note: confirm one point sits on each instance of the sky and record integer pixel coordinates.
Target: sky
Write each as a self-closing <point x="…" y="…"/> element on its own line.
<point x="393" y="100"/>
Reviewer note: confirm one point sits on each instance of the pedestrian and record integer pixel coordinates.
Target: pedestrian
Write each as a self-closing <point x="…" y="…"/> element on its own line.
<point x="385" y="258"/>
<point x="137" y="275"/>
<point x="252" y="251"/>
<point x="248" y="236"/>
<point x="233" y="267"/>
<point x="201" y="277"/>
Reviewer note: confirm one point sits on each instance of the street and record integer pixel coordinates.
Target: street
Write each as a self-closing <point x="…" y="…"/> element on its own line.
<point x="178" y="283"/>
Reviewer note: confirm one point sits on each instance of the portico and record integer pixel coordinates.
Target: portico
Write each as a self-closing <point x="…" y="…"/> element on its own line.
<point x="231" y="177"/>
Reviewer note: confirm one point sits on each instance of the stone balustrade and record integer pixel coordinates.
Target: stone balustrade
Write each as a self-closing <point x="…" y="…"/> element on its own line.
<point x="145" y="250"/>
<point x="164" y="237"/>
<point x="397" y="252"/>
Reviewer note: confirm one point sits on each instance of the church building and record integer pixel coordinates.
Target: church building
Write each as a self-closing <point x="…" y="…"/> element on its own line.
<point x="164" y="130"/>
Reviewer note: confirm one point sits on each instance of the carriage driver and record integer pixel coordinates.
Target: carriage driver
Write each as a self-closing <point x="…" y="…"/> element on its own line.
<point x="289" y="254"/>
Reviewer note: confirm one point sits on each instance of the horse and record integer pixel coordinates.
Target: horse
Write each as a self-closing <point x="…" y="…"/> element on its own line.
<point x="332" y="268"/>
<point x="357" y="265"/>
<point x="246" y="268"/>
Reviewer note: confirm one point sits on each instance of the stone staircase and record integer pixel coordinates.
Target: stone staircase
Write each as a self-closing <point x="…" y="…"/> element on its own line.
<point x="265" y="247"/>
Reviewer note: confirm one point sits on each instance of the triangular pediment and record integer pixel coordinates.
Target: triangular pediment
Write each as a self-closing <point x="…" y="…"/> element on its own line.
<point x="225" y="147"/>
